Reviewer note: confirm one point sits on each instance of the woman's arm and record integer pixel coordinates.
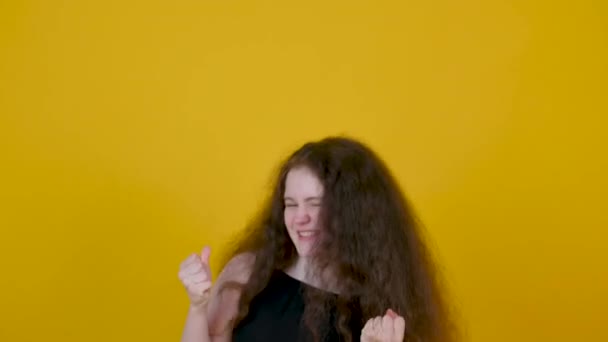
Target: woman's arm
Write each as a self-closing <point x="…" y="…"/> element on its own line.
<point x="210" y="322"/>
<point x="196" y="328"/>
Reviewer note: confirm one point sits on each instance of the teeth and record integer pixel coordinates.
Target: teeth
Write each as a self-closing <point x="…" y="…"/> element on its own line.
<point x="307" y="233"/>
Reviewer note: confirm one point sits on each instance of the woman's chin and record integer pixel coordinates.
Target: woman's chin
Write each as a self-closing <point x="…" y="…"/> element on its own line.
<point x="305" y="252"/>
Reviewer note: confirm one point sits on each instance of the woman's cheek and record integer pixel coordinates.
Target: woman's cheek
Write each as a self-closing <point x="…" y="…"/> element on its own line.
<point x="288" y="217"/>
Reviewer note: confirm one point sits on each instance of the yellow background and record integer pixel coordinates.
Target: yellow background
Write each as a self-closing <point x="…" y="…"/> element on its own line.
<point x="134" y="132"/>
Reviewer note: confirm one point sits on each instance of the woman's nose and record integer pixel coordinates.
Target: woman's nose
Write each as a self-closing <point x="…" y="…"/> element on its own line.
<point x="302" y="216"/>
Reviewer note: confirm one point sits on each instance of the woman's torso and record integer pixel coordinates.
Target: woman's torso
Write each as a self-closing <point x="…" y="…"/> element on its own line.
<point x="275" y="314"/>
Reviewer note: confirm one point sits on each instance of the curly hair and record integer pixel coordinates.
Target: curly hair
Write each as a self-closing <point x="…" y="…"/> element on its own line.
<point x="371" y="242"/>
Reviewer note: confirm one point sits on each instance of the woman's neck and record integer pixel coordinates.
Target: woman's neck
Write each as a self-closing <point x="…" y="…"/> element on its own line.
<point x="302" y="270"/>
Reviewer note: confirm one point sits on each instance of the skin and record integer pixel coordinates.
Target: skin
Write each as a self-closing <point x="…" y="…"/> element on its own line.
<point x="303" y="197"/>
<point x="387" y="328"/>
<point x="209" y="315"/>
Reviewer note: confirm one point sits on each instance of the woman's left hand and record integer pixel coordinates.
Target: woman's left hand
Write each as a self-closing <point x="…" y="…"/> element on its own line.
<point x="390" y="328"/>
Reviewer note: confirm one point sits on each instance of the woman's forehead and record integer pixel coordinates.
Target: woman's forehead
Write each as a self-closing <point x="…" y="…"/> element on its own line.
<point x="302" y="182"/>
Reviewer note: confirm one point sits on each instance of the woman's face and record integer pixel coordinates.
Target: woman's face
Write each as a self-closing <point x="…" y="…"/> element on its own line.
<point x="303" y="196"/>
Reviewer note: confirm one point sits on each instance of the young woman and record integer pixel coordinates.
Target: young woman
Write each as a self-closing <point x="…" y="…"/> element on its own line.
<point x="335" y="255"/>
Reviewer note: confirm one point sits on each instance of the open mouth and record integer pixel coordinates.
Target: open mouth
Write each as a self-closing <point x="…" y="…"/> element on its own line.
<point x="307" y="233"/>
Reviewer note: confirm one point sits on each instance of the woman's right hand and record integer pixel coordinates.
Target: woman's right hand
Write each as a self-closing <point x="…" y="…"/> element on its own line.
<point x="195" y="275"/>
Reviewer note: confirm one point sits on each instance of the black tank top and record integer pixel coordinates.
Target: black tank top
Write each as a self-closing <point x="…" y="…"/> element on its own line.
<point x="275" y="314"/>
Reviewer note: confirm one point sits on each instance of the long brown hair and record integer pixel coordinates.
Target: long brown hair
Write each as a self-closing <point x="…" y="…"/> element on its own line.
<point x="372" y="243"/>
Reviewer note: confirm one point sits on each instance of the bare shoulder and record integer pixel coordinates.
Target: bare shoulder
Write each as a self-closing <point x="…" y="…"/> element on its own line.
<point x="238" y="269"/>
<point x="224" y="301"/>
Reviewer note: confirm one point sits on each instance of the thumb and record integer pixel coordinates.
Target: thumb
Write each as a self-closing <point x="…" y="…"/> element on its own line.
<point x="391" y="313"/>
<point x="205" y="255"/>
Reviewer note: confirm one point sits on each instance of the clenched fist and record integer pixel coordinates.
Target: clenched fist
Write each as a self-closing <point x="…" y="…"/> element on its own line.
<point x="195" y="274"/>
<point x="390" y="328"/>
